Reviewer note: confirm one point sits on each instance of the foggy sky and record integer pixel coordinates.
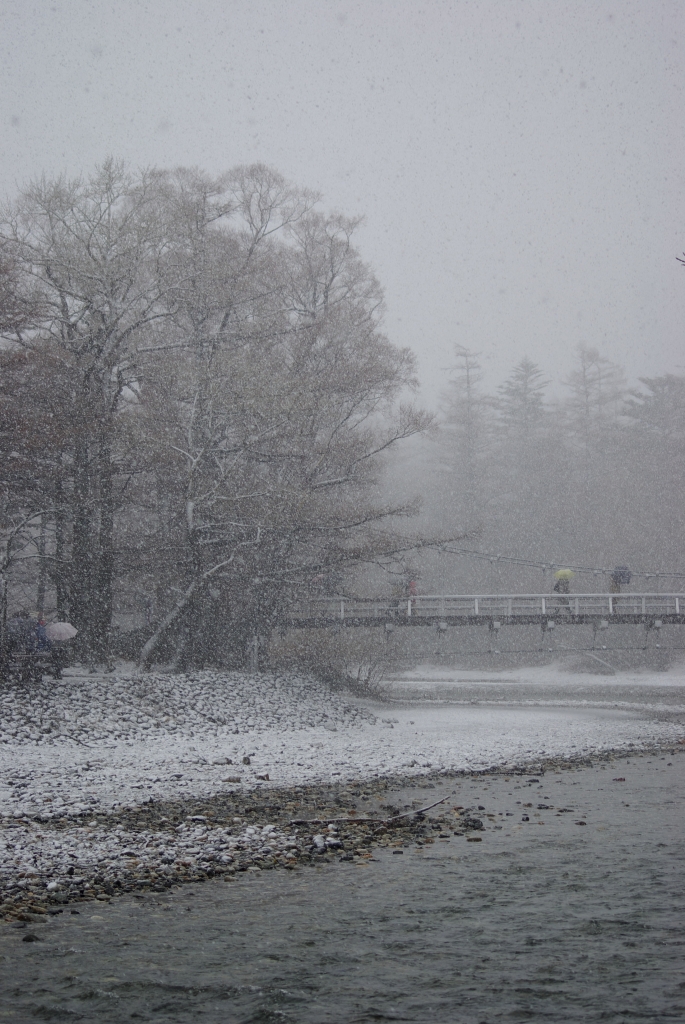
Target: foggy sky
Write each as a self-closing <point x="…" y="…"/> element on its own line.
<point x="519" y="164"/>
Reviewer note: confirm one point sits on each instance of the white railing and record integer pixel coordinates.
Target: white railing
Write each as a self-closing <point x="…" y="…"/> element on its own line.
<point x="493" y="606"/>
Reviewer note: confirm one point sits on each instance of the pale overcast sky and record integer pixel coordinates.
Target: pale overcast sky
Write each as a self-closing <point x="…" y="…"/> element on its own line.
<point x="519" y="162"/>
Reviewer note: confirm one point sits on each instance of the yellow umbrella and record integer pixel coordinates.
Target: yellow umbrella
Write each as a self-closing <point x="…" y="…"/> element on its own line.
<point x="564" y="574"/>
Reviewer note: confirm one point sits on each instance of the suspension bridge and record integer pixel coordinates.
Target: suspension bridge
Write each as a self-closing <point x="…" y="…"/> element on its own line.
<point x="494" y="610"/>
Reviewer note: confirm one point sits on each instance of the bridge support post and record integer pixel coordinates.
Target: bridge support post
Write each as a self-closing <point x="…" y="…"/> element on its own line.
<point x="548" y="626"/>
<point x="599" y="627"/>
<point x="656" y="625"/>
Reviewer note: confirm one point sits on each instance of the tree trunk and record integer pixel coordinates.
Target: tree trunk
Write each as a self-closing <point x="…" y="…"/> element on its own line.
<point x="58" y="574"/>
<point x="82" y="556"/>
<point x="42" y="570"/>
<point x="183" y="602"/>
<point x="3" y="625"/>
<point x="103" y="591"/>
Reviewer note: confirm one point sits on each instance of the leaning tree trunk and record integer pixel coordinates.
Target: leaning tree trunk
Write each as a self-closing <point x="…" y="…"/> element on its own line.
<point x="182" y="605"/>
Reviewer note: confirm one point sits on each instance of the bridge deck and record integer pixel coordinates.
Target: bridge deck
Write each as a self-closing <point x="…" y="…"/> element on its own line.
<point x="505" y="609"/>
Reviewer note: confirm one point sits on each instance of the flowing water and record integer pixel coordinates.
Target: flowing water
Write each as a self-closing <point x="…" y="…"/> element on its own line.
<point x="544" y="920"/>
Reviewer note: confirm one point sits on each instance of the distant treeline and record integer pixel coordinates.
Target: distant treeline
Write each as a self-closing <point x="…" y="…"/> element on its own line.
<point x="595" y="477"/>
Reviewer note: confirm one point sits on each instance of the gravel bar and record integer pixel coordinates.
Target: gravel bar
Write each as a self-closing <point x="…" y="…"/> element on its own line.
<point x="54" y="863"/>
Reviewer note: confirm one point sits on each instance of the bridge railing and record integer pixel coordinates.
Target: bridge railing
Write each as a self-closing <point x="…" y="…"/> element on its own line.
<point x="492" y="606"/>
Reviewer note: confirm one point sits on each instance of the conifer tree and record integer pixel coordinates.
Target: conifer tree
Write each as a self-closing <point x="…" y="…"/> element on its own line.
<point x="521" y="397"/>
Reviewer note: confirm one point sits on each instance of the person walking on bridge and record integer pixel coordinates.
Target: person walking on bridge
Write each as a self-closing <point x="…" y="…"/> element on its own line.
<point x="621" y="576"/>
<point x="562" y="578"/>
<point x="562" y="585"/>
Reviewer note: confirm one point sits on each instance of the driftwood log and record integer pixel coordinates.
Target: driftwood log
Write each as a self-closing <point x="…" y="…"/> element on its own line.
<point x="372" y="821"/>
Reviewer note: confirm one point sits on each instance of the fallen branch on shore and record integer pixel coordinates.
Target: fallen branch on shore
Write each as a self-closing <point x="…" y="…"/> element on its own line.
<point x="373" y="821"/>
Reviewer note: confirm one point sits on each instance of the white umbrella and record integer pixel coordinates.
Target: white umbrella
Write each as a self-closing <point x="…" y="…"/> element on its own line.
<point x="60" y="631"/>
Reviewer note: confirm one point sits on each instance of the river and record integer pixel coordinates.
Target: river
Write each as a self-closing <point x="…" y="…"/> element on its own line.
<point x="542" y="920"/>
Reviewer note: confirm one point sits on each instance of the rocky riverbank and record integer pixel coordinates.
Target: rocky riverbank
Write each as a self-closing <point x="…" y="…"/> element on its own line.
<point x="95" y="744"/>
<point x="53" y="864"/>
<point x="125" y="784"/>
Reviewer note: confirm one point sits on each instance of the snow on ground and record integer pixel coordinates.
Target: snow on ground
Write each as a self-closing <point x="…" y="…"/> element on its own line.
<point x="97" y="742"/>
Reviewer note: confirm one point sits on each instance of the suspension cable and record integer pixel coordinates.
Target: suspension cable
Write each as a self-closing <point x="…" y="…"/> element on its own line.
<point x="551" y="566"/>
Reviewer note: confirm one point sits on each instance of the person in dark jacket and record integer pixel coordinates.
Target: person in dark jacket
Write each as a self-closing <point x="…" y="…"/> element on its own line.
<point x="620" y="577"/>
<point x="42" y="641"/>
